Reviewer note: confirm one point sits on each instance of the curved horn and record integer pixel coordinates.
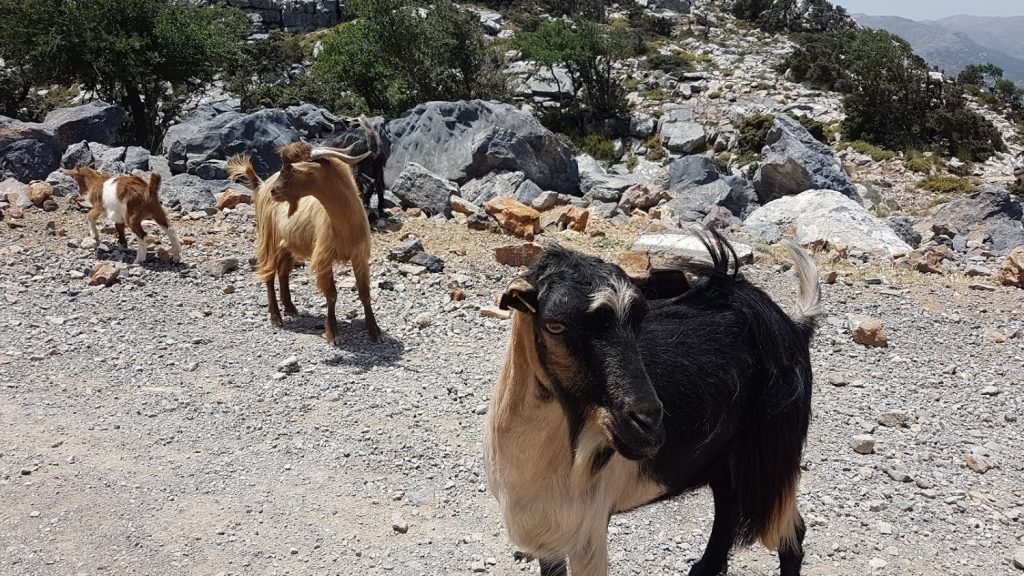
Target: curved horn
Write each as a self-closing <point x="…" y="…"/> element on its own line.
<point x="319" y="153"/>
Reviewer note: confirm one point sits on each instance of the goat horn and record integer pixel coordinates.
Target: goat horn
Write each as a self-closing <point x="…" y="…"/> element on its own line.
<point x="330" y="117"/>
<point x="319" y="153"/>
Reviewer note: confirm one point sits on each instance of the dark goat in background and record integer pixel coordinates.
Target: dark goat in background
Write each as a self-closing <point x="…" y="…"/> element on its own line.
<point x="615" y="394"/>
<point x="360" y="134"/>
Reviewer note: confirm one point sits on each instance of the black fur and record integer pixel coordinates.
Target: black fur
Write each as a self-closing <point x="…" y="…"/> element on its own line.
<point x="731" y="369"/>
<point x="369" y="173"/>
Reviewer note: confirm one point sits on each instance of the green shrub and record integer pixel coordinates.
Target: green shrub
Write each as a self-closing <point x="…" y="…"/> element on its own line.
<point x="671" y="64"/>
<point x="874" y="152"/>
<point x="947" y="183"/>
<point x="655" y="151"/>
<point x="919" y="165"/>
<point x="793" y="15"/>
<point x="598" y="145"/>
<point x="753" y="133"/>
<point x="393" y="58"/>
<point x="814" y="127"/>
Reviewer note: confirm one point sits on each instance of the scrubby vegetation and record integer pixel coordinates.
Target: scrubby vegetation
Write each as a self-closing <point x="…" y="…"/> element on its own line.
<point x="947" y="183"/>
<point x="888" y="94"/>
<point x="876" y="153"/>
<point x="146" y="55"/>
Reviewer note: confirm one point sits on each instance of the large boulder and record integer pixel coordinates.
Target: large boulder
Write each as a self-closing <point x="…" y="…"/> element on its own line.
<point x="690" y="171"/>
<point x="28" y="150"/>
<point x="189" y="193"/>
<point x="683" y="137"/>
<point x="463" y="140"/>
<point x="77" y="155"/>
<point x="96" y="121"/>
<point x="417" y="187"/>
<point x="825" y="216"/>
<point x="673" y="250"/>
<point x="311" y="120"/>
<point x="224" y="134"/>
<point x="793" y="161"/>
<point x="991" y="210"/>
<point x="494" y="184"/>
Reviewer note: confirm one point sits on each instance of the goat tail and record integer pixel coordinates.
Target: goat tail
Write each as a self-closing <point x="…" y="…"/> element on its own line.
<point x="154" y="184"/>
<point x="268" y="236"/>
<point x="808" y="304"/>
<point x="240" y="169"/>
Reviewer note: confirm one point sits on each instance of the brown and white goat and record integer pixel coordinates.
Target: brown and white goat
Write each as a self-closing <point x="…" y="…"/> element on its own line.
<point x="126" y="200"/>
<point x="310" y="210"/>
<point x="614" y="395"/>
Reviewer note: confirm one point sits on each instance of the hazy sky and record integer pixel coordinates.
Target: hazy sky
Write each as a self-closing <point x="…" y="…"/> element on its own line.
<point x="932" y="9"/>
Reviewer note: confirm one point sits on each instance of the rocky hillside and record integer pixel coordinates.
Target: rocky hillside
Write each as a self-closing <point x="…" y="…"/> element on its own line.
<point x="953" y="43"/>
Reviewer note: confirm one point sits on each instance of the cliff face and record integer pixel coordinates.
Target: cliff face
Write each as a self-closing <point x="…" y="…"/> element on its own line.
<point x="288" y="15"/>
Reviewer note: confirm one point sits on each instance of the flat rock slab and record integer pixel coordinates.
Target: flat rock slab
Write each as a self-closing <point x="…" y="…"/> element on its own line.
<point x="686" y="248"/>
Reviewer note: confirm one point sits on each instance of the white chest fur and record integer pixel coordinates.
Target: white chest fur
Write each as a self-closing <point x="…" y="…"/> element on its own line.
<point x="115" y="209"/>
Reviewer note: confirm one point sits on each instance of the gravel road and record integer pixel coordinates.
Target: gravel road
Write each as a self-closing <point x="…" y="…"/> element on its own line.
<point x="158" y="426"/>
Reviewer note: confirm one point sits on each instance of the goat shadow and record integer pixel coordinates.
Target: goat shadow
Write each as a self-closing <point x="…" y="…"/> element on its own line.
<point x="357" y="351"/>
<point x="153" y="263"/>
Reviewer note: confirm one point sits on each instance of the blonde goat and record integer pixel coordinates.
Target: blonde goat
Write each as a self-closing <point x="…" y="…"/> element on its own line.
<point x="310" y="211"/>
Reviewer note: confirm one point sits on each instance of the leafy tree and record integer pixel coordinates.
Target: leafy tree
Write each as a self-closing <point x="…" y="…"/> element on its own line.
<point x="980" y="74"/>
<point x="794" y="15"/>
<point x="398" y="53"/>
<point x="587" y="50"/>
<point x="260" y="75"/>
<point x="146" y="55"/>
<point x="818" y="61"/>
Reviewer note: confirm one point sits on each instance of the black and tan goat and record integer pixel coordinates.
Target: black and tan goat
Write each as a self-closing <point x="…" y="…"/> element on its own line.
<point x="615" y="394"/>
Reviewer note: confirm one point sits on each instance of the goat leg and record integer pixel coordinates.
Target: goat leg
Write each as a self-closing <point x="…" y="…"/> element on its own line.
<point x="715" y="559"/>
<point x="121" y="240"/>
<point x="362" y="274"/>
<point x="790" y="559"/>
<point x="275" y="312"/>
<point x="331" y="322"/>
<point x="284" y="270"/>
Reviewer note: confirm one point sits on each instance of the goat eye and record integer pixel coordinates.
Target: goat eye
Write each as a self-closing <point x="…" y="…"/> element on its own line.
<point x="555" y="327"/>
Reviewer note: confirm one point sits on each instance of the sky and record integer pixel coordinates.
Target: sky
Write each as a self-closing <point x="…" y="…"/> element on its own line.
<point x="933" y="9"/>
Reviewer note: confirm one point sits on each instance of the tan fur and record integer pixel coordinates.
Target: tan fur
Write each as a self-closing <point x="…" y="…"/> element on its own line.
<point x="140" y="198"/>
<point x="240" y="169"/>
<point x="782" y="531"/>
<point x="552" y="509"/>
<point x="317" y="217"/>
<point x="619" y="296"/>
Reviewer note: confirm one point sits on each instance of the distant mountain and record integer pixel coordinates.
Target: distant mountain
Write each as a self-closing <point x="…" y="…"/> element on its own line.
<point x="955" y="42"/>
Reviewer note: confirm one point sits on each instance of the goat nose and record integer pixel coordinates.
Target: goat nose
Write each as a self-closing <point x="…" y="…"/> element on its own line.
<point x="647" y="418"/>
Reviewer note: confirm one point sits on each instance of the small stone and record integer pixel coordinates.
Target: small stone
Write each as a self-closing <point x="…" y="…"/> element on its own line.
<point x="893" y="419"/>
<point x="863" y="444"/>
<point x="867" y="331"/>
<point x="495" y="312"/>
<point x="219" y="267"/>
<point x="231" y="198"/>
<point x="478" y="566"/>
<point x="517" y="254"/>
<point x="404" y="251"/>
<point x="278" y="376"/>
<point x="877" y="563"/>
<point x="293" y="551"/>
<point x="33" y="514"/>
<point x="831" y="277"/>
<point x="229" y="288"/>
<point x="978" y="463"/>
<point x="575" y="218"/>
<point x="990" y="391"/>
<point x="423" y="319"/>
<point x="88" y="243"/>
<point x="456" y="294"/>
<point x="289" y="365"/>
<point x="192" y="367"/>
<point x="411" y="269"/>
<point x="429" y="261"/>
<point x="103" y="274"/>
<point x="982" y="287"/>
<point x="884" y="528"/>
<point x="480" y="410"/>
<point x="899" y="474"/>
<point x="26" y="471"/>
<point x="398" y="523"/>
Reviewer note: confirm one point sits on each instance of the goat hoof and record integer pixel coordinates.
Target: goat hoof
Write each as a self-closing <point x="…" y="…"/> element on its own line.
<point x="275" y="321"/>
<point x="290" y="311"/>
<point x="702" y="569"/>
<point x="330" y="339"/>
<point x="374" y="335"/>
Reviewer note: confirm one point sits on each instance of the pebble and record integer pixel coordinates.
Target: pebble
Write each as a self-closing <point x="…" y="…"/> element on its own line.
<point x="88" y="243"/>
<point x="289" y="365"/>
<point x="1018" y="558"/>
<point x="480" y="410"/>
<point x="893" y="419"/>
<point x="423" y="319"/>
<point x="990" y="391"/>
<point x="978" y="463"/>
<point x="898" y="473"/>
<point x="863" y="444"/>
<point x="877" y="563"/>
<point x="884" y="528"/>
<point x="33" y="514"/>
<point x="398" y="523"/>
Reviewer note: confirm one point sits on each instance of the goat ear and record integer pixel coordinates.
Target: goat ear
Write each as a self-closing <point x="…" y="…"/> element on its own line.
<point x="520" y="295"/>
<point x="303" y="167"/>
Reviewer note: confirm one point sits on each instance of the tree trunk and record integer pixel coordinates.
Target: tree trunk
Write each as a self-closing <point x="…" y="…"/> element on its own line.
<point x="140" y="120"/>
